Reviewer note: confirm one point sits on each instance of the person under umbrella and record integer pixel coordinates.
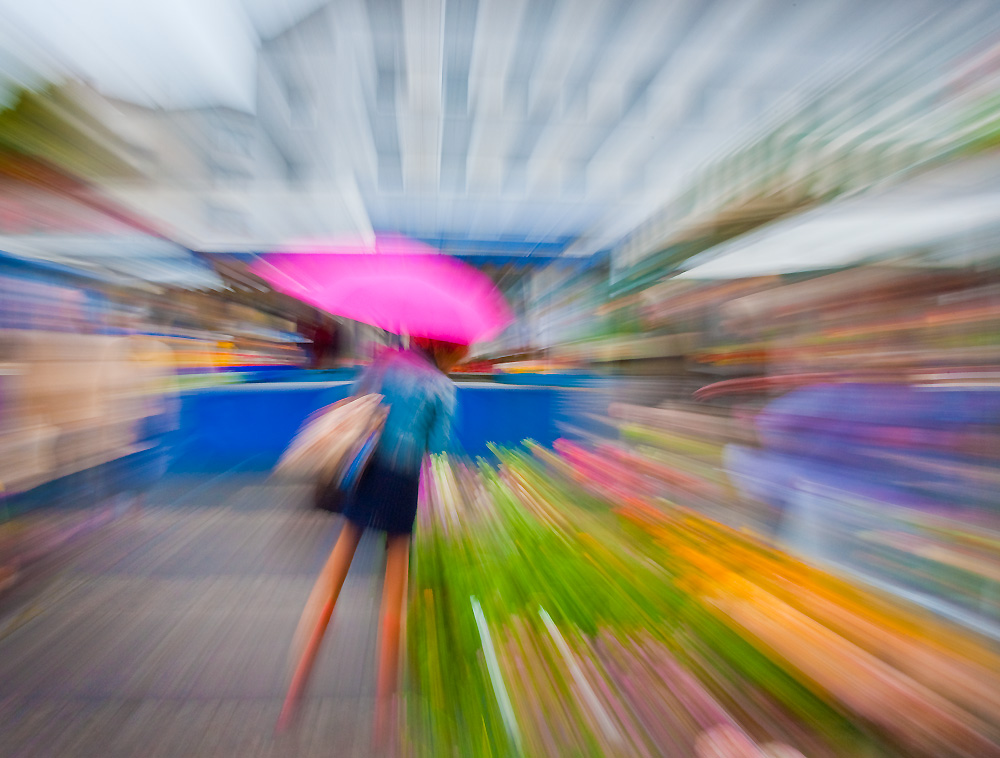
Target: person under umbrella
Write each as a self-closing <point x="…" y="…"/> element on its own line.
<point x="405" y="288"/>
<point x="422" y="402"/>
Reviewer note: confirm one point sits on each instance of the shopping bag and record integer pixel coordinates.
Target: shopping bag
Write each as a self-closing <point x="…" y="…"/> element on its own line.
<point x="331" y="439"/>
<point x="331" y="494"/>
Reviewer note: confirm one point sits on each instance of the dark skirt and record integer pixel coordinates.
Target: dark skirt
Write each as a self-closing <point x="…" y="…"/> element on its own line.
<point x="384" y="500"/>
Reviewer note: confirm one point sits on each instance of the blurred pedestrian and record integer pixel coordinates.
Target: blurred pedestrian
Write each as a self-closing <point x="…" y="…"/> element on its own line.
<point x="324" y="339"/>
<point x="421" y="400"/>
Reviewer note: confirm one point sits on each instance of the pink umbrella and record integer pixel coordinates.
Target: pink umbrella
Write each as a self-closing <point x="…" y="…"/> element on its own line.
<point x="399" y="286"/>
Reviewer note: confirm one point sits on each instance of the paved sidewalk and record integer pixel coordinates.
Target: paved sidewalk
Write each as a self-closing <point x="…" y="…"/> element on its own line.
<point x="166" y="633"/>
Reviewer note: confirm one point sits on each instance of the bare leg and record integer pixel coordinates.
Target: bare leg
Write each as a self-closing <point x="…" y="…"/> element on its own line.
<point x="397" y="561"/>
<point x="327" y="585"/>
<point x="327" y="590"/>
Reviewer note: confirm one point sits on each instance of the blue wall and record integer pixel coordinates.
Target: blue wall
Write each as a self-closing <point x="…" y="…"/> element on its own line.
<point x="249" y="425"/>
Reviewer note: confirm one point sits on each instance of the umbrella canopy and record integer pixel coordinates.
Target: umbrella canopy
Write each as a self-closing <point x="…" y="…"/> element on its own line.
<point x="419" y="294"/>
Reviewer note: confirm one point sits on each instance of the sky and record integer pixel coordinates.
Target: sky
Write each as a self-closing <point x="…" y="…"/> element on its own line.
<point x="181" y="53"/>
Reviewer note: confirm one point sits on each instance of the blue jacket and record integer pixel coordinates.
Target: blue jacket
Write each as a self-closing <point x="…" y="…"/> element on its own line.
<point x="422" y="405"/>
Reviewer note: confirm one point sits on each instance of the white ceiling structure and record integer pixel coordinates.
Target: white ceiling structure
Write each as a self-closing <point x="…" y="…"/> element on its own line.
<point x="527" y="123"/>
<point x="951" y="214"/>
